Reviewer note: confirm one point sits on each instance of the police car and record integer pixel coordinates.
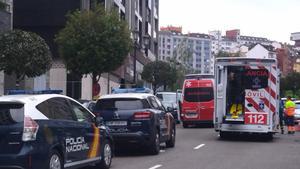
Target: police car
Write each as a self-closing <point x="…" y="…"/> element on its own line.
<point x="137" y="118"/>
<point x="51" y="131"/>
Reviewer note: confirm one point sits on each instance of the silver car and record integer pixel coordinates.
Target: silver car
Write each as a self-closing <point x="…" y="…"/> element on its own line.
<point x="297" y="110"/>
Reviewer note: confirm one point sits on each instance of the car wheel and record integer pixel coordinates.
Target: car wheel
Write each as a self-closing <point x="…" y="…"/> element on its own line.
<point x="171" y="142"/>
<point x="55" y="160"/>
<point x="106" y="156"/>
<point x="154" y="147"/>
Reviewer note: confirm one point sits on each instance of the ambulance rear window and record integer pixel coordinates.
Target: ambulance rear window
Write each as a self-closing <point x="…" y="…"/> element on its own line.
<point x="202" y="94"/>
<point x="255" y="78"/>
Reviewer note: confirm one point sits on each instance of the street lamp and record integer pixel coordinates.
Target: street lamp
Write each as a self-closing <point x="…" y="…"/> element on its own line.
<point x="135" y="38"/>
<point x="146" y="39"/>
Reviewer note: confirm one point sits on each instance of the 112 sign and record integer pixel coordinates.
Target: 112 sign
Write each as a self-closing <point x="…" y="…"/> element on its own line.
<point x="259" y="118"/>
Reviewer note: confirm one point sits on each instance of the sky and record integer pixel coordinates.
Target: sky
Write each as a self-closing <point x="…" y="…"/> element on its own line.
<point x="272" y="19"/>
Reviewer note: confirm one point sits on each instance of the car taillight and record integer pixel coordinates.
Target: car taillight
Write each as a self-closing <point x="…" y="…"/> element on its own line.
<point x="30" y="129"/>
<point x="142" y="115"/>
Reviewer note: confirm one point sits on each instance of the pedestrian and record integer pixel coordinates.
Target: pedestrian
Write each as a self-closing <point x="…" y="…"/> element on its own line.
<point x="281" y="116"/>
<point x="289" y="114"/>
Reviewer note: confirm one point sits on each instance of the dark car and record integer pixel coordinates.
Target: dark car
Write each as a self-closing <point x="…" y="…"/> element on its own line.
<point x="170" y="102"/>
<point x="51" y="132"/>
<point x="137" y="118"/>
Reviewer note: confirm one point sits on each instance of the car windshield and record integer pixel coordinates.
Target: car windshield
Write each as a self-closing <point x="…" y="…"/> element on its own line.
<point x="166" y="97"/>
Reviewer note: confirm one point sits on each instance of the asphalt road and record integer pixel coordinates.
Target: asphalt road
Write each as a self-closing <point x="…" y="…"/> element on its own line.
<point x="201" y="148"/>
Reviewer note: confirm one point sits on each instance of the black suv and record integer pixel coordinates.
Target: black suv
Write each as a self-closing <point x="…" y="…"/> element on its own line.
<point x="137" y="118"/>
<point x="51" y="132"/>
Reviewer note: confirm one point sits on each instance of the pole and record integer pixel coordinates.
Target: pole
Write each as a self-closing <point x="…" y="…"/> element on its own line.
<point x="134" y="63"/>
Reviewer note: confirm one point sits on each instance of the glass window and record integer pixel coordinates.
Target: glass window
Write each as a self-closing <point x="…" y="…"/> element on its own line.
<point x="202" y="94"/>
<point x="121" y="104"/>
<point x="255" y="78"/>
<point x="82" y="115"/>
<point x="11" y="113"/>
<point x="153" y="103"/>
<point x="44" y="108"/>
<point x="60" y="109"/>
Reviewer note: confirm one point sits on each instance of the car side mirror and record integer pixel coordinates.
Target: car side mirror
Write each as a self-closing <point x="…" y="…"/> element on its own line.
<point x="170" y="109"/>
<point x="99" y="121"/>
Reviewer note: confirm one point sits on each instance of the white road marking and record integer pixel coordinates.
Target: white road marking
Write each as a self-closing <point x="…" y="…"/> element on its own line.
<point x="162" y="151"/>
<point x="156" y="166"/>
<point x="199" y="146"/>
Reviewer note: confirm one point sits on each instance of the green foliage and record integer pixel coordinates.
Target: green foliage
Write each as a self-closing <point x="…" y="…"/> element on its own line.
<point x="159" y="73"/>
<point x="2" y="6"/>
<point x="94" y="42"/>
<point x="290" y="84"/>
<point x="24" y="54"/>
<point x="227" y="54"/>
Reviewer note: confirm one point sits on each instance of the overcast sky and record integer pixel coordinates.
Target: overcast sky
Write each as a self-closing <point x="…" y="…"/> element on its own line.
<point x="272" y="19"/>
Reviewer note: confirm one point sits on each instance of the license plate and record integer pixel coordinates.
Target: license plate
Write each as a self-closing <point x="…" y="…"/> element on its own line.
<point x="116" y="123"/>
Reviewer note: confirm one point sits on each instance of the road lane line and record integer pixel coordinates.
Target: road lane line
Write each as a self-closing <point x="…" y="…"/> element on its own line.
<point x="199" y="146"/>
<point x="156" y="166"/>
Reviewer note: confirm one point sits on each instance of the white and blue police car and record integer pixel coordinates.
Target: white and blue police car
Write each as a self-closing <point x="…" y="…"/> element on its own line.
<point x="51" y="131"/>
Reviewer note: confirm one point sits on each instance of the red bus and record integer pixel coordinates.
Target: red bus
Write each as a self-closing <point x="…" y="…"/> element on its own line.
<point x="197" y="105"/>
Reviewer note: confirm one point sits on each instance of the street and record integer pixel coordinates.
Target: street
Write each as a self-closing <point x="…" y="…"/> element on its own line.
<point x="201" y="148"/>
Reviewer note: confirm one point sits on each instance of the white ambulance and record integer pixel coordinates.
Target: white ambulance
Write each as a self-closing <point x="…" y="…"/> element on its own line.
<point x="247" y="92"/>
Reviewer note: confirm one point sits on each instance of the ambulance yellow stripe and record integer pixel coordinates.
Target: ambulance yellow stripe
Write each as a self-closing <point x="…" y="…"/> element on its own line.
<point x="96" y="143"/>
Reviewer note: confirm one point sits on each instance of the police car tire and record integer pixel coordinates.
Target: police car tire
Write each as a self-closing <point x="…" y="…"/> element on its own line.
<point x="154" y="147"/>
<point x="54" y="154"/>
<point x="171" y="142"/>
<point x="103" y="164"/>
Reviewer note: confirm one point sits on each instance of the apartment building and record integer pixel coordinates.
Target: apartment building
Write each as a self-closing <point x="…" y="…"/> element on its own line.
<point x="193" y="48"/>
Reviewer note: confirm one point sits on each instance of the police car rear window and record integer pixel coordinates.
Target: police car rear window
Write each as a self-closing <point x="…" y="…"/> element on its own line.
<point x="11" y="113"/>
<point x="201" y="94"/>
<point x="121" y="104"/>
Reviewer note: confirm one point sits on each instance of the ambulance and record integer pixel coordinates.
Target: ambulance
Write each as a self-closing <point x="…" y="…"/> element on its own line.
<point x="197" y="103"/>
<point x="247" y="93"/>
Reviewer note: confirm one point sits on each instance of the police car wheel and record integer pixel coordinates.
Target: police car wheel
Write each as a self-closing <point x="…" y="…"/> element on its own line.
<point x="171" y="142"/>
<point x="106" y="156"/>
<point x="155" y="144"/>
<point x="55" y="161"/>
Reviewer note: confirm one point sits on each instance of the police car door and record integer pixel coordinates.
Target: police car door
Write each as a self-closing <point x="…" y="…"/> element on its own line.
<point x="257" y="96"/>
<point x="67" y="129"/>
<point x="89" y="142"/>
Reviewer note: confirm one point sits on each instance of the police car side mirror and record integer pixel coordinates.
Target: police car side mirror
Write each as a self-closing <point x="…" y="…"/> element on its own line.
<point x="99" y="121"/>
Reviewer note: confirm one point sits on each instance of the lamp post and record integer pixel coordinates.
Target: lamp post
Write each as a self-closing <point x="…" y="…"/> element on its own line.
<point x="135" y="38"/>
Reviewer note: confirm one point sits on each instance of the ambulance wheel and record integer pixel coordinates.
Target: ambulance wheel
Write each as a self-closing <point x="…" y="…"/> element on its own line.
<point x="185" y="125"/>
<point x="55" y="160"/>
<point x="269" y="136"/>
<point x="106" y="156"/>
<point x="224" y="135"/>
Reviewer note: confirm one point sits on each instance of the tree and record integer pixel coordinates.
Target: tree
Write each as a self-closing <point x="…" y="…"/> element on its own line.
<point x="159" y="73"/>
<point x="24" y="54"/>
<point x="290" y="83"/>
<point x="2" y="6"/>
<point x="94" y="42"/>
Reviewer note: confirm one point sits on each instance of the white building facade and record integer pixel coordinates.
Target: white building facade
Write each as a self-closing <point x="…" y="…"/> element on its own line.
<point x="197" y="46"/>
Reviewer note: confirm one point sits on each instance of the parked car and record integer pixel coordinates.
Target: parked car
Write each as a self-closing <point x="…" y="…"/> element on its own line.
<point x="89" y="104"/>
<point x="297" y="110"/>
<point x="51" y="131"/>
<point x="137" y="118"/>
<point x="170" y="102"/>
